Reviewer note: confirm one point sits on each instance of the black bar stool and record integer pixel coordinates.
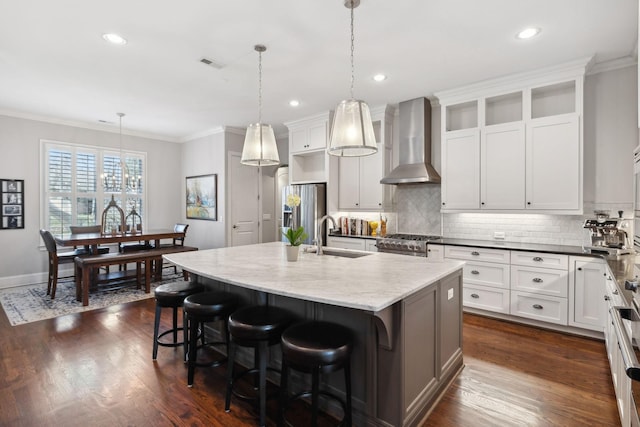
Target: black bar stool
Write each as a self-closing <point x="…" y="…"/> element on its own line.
<point x="172" y="295"/>
<point x="258" y="327"/>
<point x="316" y="347"/>
<point x="200" y="309"/>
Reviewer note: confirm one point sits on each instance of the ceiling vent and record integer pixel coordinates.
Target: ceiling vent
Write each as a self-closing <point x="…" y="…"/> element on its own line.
<point x="212" y="63"/>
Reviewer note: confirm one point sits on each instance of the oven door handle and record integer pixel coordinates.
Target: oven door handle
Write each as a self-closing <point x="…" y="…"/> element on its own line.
<point x="631" y="365"/>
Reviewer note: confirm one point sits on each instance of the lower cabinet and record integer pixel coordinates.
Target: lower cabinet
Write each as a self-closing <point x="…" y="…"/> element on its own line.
<point x="554" y="288"/>
<point x="587" y="279"/>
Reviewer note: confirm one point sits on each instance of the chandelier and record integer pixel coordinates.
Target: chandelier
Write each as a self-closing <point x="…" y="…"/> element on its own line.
<point x="119" y="176"/>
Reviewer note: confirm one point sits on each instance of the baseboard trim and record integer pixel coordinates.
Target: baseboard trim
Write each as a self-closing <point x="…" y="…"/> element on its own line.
<point x="30" y="279"/>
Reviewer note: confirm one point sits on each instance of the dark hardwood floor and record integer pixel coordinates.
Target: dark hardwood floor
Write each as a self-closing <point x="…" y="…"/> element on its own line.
<point x="95" y="369"/>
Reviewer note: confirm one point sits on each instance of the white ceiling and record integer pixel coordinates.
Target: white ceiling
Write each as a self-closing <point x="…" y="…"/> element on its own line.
<point x="54" y="64"/>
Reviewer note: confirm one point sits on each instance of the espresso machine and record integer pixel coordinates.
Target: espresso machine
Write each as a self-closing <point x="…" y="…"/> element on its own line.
<point x="608" y="235"/>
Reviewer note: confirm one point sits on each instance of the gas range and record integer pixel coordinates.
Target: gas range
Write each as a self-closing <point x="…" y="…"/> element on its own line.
<point x="405" y="244"/>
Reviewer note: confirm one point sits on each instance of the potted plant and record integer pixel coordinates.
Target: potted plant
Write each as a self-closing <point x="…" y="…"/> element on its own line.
<point x="295" y="236"/>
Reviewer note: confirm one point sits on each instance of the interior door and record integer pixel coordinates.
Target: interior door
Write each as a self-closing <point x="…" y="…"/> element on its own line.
<point x="243" y="198"/>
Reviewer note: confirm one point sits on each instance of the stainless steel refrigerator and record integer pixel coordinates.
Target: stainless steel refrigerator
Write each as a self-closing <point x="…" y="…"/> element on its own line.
<point x="312" y="208"/>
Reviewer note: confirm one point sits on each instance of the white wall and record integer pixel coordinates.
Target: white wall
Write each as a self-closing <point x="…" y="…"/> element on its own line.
<point x="23" y="260"/>
<point x="204" y="156"/>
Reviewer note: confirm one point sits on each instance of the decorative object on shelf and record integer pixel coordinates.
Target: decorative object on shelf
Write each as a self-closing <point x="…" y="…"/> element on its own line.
<point x="374" y="227"/>
<point x="112" y="218"/>
<point x="12" y="203"/>
<point x="352" y="131"/>
<point x="383" y="226"/>
<point x="260" y="147"/>
<point x="133" y="222"/>
<point x="202" y="197"/>
<point x="295" y="236"/>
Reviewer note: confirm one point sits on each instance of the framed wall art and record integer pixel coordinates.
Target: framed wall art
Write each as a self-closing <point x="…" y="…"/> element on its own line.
<point x="11" y="203"/>
<point x="202" y="193"/>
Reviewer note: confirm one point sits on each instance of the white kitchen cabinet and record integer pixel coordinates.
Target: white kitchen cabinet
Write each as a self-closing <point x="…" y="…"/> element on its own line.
<point x="587" y="279"/>
<point x="370" y="245"/>
<point x="485" y="277"/>
<point x="359" y="178"/>
<point x="461" y="170"/>
<point x="539" y="307"/>
<point x="554" y="164"/>
<point x="308" y="159"/>
<point x="502" y="154"/>
<point x="435" y="252"/>
<point x="514" y="144"/>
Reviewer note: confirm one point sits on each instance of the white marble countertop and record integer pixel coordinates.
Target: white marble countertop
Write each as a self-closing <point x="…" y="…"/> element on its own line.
<point x="371" y="283"/>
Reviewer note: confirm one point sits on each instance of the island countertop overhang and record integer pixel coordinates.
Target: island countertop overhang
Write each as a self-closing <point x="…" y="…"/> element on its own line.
<point x="370" y="283"/>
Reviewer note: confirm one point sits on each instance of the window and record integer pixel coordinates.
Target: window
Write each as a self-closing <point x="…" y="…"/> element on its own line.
<point x="79" y="181"/>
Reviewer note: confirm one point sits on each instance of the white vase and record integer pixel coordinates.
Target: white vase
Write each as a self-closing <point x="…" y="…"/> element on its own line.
<point x="292" y="252"/>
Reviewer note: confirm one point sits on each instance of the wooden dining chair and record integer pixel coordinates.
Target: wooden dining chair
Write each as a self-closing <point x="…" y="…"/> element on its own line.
<point x="177" y="241"/>
<point x="55" y="258"/>
<point x="85" y="229"/>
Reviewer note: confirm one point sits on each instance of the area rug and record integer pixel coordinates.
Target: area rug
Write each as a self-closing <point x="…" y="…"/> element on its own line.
<point x="30" y="303"/>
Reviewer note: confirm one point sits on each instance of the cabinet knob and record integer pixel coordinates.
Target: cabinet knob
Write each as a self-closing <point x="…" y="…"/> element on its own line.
<point x="475" y="272"/>
<point x="443" y="203"/>
<point x="529" y="203"/>
<point x="475" y="296"/>
<point x="606" y="298"/>
<point x="579" y="268"/>
<point x="357" y="204"/>
<point x="474" y="253"/>
<point x="537" y="306"/>
<point x="537" y="280"/>
<point x="482" y="203"/>
<point x="538" y="259"/>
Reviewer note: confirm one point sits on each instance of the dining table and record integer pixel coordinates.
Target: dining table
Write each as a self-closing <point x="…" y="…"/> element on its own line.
<point x="93" y="240"/>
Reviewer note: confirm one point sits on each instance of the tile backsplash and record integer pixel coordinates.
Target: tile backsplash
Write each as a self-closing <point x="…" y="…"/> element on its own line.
<point x="418" y="211"/>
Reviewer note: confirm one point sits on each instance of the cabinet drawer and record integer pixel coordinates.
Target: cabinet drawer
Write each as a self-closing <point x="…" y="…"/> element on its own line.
<point x="484" y="298"/>
<point x="538" y="259"/>
<point x="346" y="243"/>
<point x="540" y="280"/>
<point x="477" y="254"/>
<point x="486" y="274"/>
<point x="539" y="307"/>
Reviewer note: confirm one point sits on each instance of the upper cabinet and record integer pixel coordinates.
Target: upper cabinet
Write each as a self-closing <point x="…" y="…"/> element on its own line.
<point x="359" y="178"/>
<point x="308" y="159"/>
<point x="515" y="144"/>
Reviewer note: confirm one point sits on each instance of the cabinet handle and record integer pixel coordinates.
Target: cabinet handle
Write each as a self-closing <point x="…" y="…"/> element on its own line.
<point x="529" y="203"/>
<point x="537" y="280"/>
<point x="475" y="253"/>
<point x="475" y="296"/>
<point x="537" y="306"/>
<point x="482" y="203"/>
<point x="538" y="259"/>
<point x="379" y="204"/>
<point x="615" y="292"/>
<point x="357" y="204"/>
<point x="579" y="268"/>
<point x="475" y="272"/>
<point x="606" y="298"/>
<point x="443" y="203"/>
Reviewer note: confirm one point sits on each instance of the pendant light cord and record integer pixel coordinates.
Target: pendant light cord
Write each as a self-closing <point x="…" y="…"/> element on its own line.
<point x="260" y="87"/>
<point x="352" y="49"/>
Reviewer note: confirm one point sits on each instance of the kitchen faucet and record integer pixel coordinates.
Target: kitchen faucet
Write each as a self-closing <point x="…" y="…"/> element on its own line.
<point x="319" y="235"/>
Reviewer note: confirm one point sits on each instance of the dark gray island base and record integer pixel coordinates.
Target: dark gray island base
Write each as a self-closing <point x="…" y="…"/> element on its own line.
<point x="405" y="355"/>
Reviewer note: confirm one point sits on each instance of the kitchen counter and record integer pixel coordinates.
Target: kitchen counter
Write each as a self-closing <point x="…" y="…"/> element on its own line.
<point x="405" y="313"/>
<point x="360" y="283"/>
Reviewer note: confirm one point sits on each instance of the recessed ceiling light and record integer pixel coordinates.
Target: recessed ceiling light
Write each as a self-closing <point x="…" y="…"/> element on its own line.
<point x="114" y="38"/>
<point x="379" y="77"/>
<point x="294" y="103"/>
<point x="527" y="33"/>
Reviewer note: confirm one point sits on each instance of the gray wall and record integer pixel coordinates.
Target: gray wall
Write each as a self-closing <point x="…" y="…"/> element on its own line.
<point x="23" y="259"/>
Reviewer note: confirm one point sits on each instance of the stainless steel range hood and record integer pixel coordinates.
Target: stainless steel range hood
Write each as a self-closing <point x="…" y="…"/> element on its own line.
<point x="414" y="145"/>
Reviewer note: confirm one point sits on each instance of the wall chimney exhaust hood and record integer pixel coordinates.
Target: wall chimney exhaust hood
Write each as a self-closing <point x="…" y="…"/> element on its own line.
<point x="414" y="146"/>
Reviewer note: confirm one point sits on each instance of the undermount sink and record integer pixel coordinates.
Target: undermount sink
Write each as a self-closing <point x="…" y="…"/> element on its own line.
<point x="344" y="254"/>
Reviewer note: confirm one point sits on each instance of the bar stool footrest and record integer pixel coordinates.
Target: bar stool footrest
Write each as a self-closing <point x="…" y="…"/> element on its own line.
<point x="245" y="397"/>
<point x="308" y="393"/>
<point x="214" y="363"/>
<point x="170" y="344"/>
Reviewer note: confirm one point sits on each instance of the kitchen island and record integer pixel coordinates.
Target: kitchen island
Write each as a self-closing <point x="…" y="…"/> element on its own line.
<point x="406" y="315"/>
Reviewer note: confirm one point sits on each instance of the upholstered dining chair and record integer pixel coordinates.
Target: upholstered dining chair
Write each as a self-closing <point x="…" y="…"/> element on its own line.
<point x="55" y="258"/>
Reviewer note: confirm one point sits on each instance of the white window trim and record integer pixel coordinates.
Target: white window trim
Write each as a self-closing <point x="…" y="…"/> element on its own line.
<point x="100" y="194"/>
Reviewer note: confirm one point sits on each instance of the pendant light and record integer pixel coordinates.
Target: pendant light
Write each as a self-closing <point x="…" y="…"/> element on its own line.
<point x="352" y="131"/>
<point x="260" y="147"/>
<point x="118" y="179"/>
